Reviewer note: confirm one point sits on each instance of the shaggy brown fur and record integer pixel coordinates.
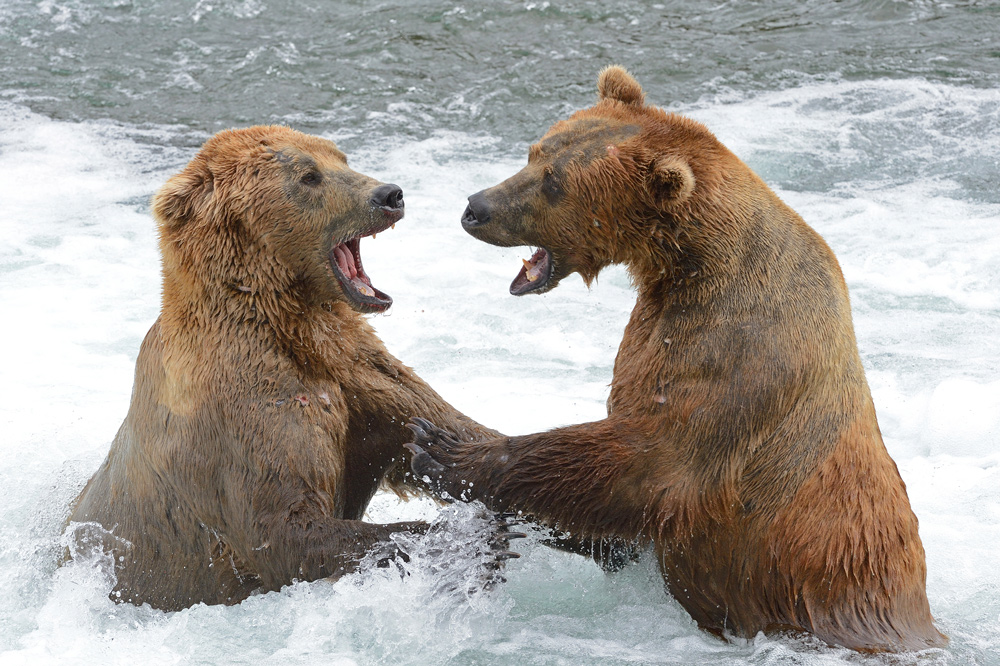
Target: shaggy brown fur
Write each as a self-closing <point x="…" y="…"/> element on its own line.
<point x="265" y="411"/>
<point x="741" y="436"/>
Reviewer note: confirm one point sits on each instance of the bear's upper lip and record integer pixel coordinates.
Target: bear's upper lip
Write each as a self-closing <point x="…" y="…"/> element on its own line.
<point x="535" y="274"/>
<point x="345" y="260"/>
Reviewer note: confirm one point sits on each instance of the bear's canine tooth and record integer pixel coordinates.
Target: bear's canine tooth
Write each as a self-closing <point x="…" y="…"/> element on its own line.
<point x="528" y="267"/>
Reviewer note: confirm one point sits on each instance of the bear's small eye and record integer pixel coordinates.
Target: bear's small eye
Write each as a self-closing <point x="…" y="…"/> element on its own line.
<point x="551" y="187"/>
<point x="311" y="178"/>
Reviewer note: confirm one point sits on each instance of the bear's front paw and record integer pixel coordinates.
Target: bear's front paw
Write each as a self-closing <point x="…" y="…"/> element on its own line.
<point x="431" y="444"/>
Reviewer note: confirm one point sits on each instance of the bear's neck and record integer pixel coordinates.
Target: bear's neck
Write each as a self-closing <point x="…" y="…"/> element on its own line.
<point x="227" y="323"/>
<point x="714" y="243"/>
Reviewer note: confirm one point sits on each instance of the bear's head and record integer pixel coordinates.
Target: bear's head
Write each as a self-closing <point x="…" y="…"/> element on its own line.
<point x="604" y="186"/>
<point x="268" y="210"/>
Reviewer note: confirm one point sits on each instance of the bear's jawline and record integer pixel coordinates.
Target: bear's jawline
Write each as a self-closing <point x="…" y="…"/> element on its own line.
<point x="541" y="265"/>
<point x="345" y="260"/>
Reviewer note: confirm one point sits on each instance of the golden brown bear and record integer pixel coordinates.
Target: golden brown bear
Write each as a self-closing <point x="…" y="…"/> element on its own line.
<point x="265" y="411"/>
<point x="741" y="436"/>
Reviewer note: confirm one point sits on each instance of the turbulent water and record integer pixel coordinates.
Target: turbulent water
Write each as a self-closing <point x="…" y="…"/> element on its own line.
<point x="878" y="121"/>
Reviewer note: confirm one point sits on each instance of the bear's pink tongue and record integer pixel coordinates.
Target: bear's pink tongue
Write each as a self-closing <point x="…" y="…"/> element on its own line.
<point x="345" y="261"/>
<point x="347" y="265"/>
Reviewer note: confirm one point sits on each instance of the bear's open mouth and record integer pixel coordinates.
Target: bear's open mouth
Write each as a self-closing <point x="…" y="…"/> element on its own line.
<point x="345" y="260"/>
<point x="534" y="275"/>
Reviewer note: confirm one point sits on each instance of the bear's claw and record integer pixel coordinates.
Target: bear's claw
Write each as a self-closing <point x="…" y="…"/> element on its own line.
<point x="506" y="536"/>
<point x="427" y="433"/>
<point x="428" y="445"/>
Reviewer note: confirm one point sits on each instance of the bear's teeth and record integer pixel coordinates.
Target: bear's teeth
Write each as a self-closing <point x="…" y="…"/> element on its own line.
<point x="530" y="270"/>
<point x="362" y="287"/>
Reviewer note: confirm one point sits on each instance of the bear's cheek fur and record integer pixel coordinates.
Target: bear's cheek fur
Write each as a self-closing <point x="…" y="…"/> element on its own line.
<point x="299" y="226"/>
<point x="572" y="218"/>
<point x="586" y="258"/>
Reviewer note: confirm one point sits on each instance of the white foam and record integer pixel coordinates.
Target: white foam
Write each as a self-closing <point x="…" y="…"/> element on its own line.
<point x="78" y="270"/>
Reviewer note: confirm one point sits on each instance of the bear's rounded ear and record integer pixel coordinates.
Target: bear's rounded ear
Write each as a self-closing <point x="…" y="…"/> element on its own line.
<point x="614" y="82"/>
<point x="184" y="197"/>
<point x="670" y="181"/>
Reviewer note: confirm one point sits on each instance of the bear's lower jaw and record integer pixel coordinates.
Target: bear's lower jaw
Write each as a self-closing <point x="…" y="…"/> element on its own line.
<point x="536" y="274"/>
<point x="345" y="261"/>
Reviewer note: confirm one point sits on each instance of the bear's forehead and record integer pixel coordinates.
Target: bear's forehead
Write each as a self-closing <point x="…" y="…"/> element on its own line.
<point x="311" y="153"/>
<point x="265" y="141"/>
<point x="581" y="140"/>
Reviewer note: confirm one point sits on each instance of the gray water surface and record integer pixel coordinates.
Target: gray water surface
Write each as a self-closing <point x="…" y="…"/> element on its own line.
<point x="506" y="68"/>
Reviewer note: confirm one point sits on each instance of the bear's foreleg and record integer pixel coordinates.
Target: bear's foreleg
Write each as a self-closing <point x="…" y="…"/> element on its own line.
<point x="581" y="479"/>
<point x="328" y="550"/>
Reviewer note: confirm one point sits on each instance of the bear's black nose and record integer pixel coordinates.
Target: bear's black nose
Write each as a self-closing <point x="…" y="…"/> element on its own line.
<point x="387" y="196"/>
<point x="477" y="213"/>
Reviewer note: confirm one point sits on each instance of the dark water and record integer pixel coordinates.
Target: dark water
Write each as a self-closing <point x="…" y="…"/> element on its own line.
<point x="501" y="67"/>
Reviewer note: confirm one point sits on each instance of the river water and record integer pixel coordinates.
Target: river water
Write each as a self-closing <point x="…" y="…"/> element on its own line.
<point x="878" y="121"/>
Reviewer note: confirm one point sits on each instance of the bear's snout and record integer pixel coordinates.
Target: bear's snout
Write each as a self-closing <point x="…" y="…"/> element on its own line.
<point x="477" y="213"/>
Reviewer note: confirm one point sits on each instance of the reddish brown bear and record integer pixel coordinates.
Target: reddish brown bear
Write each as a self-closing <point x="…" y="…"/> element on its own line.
<point x="265" y="411"/>
<point x="741" y="436"/>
